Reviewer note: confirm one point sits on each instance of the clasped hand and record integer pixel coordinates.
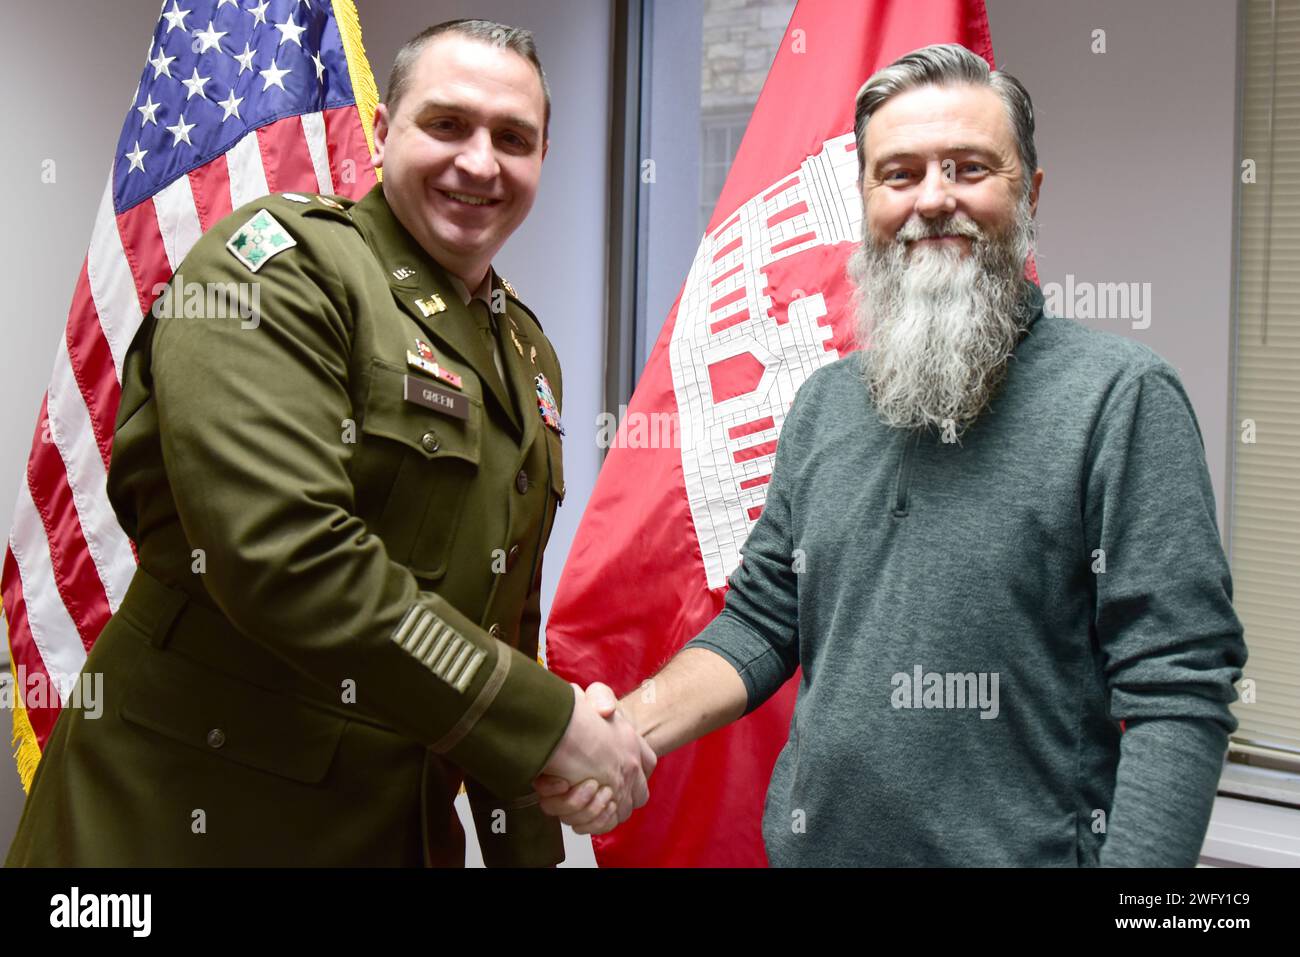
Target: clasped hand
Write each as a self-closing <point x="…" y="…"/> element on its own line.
<point x="599" y="773"/>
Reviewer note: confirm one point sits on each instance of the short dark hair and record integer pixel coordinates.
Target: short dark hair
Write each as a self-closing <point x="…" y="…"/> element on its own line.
<point x="516" y="39"/>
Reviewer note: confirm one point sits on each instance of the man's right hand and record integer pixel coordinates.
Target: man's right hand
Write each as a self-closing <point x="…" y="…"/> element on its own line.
<point x="605" y="753"/>
<point x="697" y="692"/>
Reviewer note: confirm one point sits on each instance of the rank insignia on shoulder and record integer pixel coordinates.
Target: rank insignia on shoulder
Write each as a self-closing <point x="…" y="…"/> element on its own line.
<point x="258" y="240"/>
<point x="505" y="284"/>
<point x="546" y="404"/>
<point x="432" y="305"/>
<point x="296" y="197"/>
<point x="403" y="272"/>
<point x="332" y="204"/>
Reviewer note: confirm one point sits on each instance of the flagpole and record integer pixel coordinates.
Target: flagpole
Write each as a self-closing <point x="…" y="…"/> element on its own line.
<point x="363" y="80"/>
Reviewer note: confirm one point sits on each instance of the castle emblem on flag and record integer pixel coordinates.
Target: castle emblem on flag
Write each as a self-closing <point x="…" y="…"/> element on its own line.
<point x="749" y="331"/>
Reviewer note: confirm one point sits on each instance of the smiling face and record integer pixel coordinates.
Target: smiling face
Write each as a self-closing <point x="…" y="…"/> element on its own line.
<point x="942" y="155"/>
<point x="462" y="153"/>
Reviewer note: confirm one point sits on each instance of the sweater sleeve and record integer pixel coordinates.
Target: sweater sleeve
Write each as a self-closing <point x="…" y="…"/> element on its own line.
<point x="757" y="631"/>
<point x="1170" y="643"/>
<point x="1164" y="792"/>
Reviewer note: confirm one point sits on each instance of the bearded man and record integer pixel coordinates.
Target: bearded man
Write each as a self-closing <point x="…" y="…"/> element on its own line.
<point x="989" y="543"/>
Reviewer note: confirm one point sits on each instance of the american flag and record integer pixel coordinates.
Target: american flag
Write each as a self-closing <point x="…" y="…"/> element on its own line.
<point x="238" y="98"/>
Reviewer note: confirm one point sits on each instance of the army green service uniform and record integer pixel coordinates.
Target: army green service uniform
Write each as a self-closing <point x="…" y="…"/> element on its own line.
<point x="340" y="510"/>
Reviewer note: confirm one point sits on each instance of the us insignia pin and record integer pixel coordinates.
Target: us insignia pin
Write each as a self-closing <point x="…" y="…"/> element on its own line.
<point x="258" y="240"/>
<point x="431" y="306"/>
<point x="403" y="272"/>
<point x="546" y="404"/>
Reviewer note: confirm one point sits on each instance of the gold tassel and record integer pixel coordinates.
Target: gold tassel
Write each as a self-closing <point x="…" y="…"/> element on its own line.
<point x="27" y="753"/>
<point x="363" y="80"/>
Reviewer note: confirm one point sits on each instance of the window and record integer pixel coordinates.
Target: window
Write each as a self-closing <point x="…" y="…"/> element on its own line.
<point x="1265" y="522"/>
<point x="703" y="66"/>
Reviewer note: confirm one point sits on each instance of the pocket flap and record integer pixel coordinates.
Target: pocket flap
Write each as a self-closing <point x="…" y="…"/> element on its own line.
<point x="227" y="718"/>
<point x="434" y="435"/>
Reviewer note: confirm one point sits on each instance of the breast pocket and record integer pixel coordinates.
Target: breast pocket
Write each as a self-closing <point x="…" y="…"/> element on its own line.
<point x="432" y="458"/>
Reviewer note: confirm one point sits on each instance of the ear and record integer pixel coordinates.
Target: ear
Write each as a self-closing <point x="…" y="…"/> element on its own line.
<point x="546" y="145"/>
<point x="1033" y="192"/>
<point x="381" y="133"/>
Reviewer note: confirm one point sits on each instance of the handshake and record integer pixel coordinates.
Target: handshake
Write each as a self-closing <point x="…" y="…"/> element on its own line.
<point x="600" y="770"/>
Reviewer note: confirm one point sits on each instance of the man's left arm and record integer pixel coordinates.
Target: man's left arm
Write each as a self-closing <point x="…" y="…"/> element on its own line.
<point x="1170" y="641"/>
<point x="515" y="832"/>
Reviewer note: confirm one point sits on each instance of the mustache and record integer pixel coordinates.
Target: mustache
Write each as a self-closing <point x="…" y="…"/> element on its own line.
<point x="953" y="224"/>
<point x="938" y="329"/>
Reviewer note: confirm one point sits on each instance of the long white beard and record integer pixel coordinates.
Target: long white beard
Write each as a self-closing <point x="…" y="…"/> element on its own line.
<point x="937" y="328"/>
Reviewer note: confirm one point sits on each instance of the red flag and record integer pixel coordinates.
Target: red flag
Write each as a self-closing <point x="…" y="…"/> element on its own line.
<point x="291" y="111"/>
<point x="766" y="303"/>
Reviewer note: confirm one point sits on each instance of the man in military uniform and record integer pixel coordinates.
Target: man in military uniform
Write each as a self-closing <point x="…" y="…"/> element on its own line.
<point x="340" y="510"/>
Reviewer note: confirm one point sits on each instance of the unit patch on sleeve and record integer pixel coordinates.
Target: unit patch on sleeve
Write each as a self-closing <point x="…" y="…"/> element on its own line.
<point x="259" y="239"/>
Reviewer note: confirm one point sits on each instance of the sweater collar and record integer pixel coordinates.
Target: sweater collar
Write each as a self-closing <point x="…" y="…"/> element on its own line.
<point x="1033" y="304"/>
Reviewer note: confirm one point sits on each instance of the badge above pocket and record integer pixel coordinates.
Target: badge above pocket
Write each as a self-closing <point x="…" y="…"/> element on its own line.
<point x="410" y="409"/>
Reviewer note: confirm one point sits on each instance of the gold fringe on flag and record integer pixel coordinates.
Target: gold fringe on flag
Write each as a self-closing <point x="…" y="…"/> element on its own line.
<point x="27" y="753"/>
<point x="363" y="80"/>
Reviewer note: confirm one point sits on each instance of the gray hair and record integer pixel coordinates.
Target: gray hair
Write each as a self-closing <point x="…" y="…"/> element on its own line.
<point x="948" y="64"/>
<point x="515" y="39"/>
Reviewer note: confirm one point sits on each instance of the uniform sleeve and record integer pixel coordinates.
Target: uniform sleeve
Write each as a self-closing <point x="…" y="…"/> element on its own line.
<point x="757" y="631"/>
<point x="253" y="418"/>
<point x="1171" y="644"/>
<point x="514" y="833"/>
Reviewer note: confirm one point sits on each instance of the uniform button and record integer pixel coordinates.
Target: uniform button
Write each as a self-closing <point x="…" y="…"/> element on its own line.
<point x="521" y="482"/>
<point x="216" y="738"/>
<point x="512" y="557"/>
<point x="429" y="442"/>
<point x="495" y="630"/>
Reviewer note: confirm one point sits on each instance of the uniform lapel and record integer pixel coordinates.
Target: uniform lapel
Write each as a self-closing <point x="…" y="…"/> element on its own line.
<point x="515" y="350"/>
<point x="424" y="291"/>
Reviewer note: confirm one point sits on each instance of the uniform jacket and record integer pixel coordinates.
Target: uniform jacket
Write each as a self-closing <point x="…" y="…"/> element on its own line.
<point x="335" y="617"/>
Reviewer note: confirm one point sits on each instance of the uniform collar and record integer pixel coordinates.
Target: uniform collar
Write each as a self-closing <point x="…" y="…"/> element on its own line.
<point x="483" y="293"/>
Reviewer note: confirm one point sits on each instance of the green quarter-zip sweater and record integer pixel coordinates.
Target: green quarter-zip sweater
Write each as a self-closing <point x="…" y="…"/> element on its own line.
<point x="974" y="619"/>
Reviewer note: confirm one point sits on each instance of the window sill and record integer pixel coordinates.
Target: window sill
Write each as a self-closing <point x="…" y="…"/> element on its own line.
<point x="1245" y="831"/>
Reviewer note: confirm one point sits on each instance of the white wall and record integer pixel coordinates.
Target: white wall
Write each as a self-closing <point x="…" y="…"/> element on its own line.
<point x="1137" y="147"/>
